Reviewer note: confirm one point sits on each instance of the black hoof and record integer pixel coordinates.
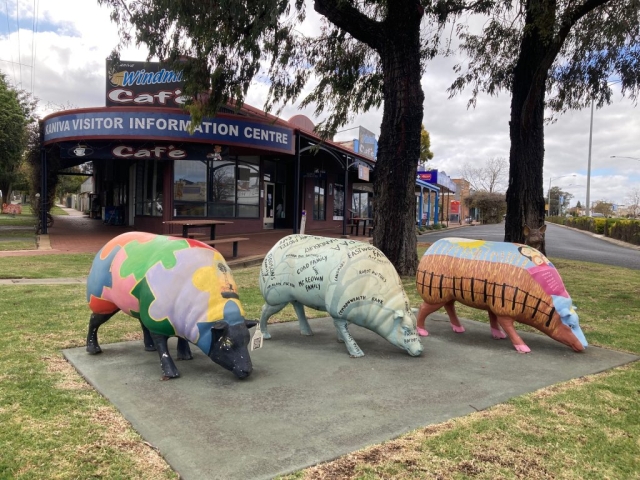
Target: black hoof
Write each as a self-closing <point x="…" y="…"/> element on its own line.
<point x="149" y="349"/>
<point x="93" y="350"/>
<point x="185" y="357"/>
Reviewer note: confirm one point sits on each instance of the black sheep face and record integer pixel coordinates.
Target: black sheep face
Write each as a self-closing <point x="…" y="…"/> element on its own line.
<point x="229" y="346"/>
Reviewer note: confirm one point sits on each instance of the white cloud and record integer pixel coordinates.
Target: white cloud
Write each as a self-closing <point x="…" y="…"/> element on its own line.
<point x="75" y="37"/>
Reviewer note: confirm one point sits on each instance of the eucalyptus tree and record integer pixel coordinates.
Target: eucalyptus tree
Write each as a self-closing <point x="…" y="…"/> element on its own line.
<point x="366" y="54"/>
<point x="553" y="54"/>
<point x="425" y="145"/>
<point x="15" y="117"/>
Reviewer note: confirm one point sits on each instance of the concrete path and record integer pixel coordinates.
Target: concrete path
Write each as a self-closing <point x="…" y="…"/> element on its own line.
<point x="307" y="402"/>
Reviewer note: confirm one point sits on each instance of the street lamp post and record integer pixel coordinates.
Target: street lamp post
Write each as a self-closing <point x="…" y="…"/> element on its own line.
<point x="588" y="212"/>
<point x="549" y="191"/>
<point x="620" y="156"/>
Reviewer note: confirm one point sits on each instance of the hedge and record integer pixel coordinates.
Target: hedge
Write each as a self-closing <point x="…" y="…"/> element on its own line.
<point x="622" y="229"/>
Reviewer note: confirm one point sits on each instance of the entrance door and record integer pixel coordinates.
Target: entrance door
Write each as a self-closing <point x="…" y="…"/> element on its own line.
<point x="281" y="206"/>
<point x="269" y="208"/>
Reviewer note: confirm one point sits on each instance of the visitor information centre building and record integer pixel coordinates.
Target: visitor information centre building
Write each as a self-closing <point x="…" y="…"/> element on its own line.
<point x="253" y="169"/>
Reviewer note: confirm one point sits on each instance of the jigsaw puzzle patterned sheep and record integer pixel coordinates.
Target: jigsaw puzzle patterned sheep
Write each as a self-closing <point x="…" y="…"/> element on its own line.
<point x="175" y="287"/>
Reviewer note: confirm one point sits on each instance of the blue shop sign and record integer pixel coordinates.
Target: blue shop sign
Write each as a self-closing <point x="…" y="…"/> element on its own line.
<point x="149" y="125"/>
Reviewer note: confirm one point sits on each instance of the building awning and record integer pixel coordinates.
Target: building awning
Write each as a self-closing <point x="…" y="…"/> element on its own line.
<point x="429" y="186"/>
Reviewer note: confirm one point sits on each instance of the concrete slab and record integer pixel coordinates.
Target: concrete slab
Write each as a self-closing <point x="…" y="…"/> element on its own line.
<point x="308" y="402"/>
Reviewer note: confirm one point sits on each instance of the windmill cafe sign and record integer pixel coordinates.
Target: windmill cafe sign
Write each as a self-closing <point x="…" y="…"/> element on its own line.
<point x="143" y="84"/>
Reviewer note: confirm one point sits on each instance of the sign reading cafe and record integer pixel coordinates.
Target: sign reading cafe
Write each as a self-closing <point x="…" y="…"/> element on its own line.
<point x="148" y="84"/>
<point x="150" y="125"/>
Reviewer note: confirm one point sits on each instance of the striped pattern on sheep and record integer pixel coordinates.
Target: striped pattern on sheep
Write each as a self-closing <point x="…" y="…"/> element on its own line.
<point x="511" y="281"/>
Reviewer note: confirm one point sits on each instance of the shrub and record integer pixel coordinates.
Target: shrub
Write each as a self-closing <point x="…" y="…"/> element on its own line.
<point x="626" y="231"/>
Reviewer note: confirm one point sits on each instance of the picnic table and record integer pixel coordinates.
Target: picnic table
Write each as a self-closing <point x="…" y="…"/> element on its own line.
<point x="187" y="224"/>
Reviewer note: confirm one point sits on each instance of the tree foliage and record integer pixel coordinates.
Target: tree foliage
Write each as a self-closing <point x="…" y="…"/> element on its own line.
<point x="554" y="54"/>
<point x="633" y="202"/>
<point x="425" y="145"/>
<point x="70" y="184"/>
<point x="491" y="205"/>
<point x="558" y="200"/>
<point x="603" y="207"/>
<point x="367" y="54"/>
<point x="488" y="177"/>
<point x="15" y="117"/>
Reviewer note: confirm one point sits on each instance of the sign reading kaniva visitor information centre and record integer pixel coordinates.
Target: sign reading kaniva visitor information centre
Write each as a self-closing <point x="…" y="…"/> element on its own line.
<point x="163" y="125"/>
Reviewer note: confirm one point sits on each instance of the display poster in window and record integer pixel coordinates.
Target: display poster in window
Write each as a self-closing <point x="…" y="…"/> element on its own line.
<point x="338" y="201"/>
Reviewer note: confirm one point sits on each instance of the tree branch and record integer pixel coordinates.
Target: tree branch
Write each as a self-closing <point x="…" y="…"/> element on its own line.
<point x="540" y="76"/>
<point x="351" y="20"/>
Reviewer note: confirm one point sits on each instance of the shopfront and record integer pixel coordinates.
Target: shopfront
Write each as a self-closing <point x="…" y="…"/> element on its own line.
<point x="240" y="169"/>
<point x="151" y="164"/>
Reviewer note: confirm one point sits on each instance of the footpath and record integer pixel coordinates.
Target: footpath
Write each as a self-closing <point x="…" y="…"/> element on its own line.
<point x="76" y="233"/>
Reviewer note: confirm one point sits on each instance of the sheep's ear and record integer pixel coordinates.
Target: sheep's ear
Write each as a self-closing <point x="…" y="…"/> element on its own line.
<point x="543" y="228"/>
<point x="526" y="230"/>
<point x="398" y="314"/>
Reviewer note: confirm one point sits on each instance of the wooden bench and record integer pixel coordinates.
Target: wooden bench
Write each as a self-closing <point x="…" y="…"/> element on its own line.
<point x="197" y="235"/>
<point x="233" y="240"/>
<point x="352" y="226"/>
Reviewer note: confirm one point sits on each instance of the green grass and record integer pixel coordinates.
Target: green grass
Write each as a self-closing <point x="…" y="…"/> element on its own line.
<point x="46" y="266"/>
<point x="17" y="232"/>
<point x="17" y="245"/>
<point x="53" y="425"/>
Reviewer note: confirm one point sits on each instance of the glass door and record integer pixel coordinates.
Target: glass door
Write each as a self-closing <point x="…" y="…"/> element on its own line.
<point x="269" y="205"/>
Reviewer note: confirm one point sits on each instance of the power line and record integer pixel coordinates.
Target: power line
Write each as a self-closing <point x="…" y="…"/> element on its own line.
<point x="33" y="44"/>
<point x="18" y="24"/>
<point x="16" y="63"/>
<point x="6" y="3"/>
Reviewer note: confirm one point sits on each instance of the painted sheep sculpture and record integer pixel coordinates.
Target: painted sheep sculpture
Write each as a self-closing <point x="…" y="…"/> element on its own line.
<point x="352" y="281"/>
<point x="174" y="287"/>
<point x="511" y="281"/>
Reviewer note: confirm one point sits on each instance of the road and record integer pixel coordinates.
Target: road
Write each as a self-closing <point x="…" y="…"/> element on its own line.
<point x="561" y="242"/>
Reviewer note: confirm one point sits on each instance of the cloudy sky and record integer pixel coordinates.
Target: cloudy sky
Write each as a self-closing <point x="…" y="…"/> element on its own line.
<point x="63" y="64"/>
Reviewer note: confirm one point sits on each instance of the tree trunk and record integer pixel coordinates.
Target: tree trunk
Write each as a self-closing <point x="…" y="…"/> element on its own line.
<point x="5" y="188"/>
<point x="399" y="144"/>
<point x="525" y="194"/>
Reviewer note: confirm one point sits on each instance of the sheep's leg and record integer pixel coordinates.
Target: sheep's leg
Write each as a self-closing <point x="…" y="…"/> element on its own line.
<point x="169" y="369"/>
<point x="425" y="310"/>
<point x="350" y="343"/>
<point x="305" y="328"/>
<point x="148" y="341"/>
<point x="184" y="352"/>
<point x="267" y="311"/>
<point x="507" y="325"/>
<point x="450" y="308"/>
<point x="495" y="327"/>
<point x="96" y="319"/>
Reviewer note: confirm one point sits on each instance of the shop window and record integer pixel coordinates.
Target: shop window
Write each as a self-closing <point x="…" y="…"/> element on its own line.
<point x="248" y="187"/>
<point x="319" y="199"/>
<point x="360" y="204"/>
<point x="189" y="188"/>
<point x="149" y="175"/>
<point x="338" y="201"/>
<point x="223" y="187"/>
